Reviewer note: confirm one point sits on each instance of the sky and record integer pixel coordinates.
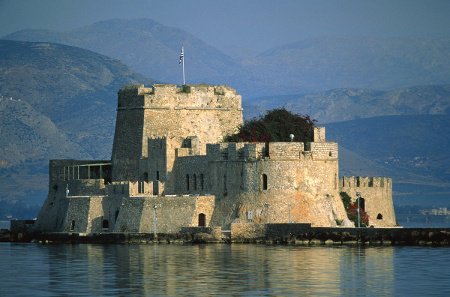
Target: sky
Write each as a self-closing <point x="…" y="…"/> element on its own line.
<point x="245" y="26"/>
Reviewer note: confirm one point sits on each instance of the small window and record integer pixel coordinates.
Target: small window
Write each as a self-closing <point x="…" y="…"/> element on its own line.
<point x="264" y="181"/>
<point x="145" y="177"/>
<point x="194" y="181"/>
<point x="202" y="182"/>
<point x="250" y="215"/>
<point x="225" y="190"/>
<point x="379" y="216"/>
<point x="72" y="225"/>
<point x="105" y="224"/>
<point x="157" y="175"/>
<point x="116" y="215"/>
<point x="187" y="182"/>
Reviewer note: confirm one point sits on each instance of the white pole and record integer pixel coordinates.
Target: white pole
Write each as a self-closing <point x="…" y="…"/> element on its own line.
<point x="359" y="218"/>
<point x="182" y="55"/>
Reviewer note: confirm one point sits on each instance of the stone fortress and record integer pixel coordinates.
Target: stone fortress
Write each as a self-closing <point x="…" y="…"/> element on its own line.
<point x="170" y="169"/>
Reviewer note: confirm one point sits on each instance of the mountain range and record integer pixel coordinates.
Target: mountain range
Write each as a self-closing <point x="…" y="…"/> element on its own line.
<point x="56" y="101"/>
<point x="386" y="102"/>
<point x="349" y="104"/>
<point x="305" y="66"/>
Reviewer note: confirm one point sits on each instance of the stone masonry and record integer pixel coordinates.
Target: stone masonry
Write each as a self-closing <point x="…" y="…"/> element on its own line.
<point x="170" y="169"/>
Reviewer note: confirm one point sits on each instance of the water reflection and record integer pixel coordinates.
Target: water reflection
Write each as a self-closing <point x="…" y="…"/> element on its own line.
<point x="223" y="270"/>
<point x="251" y="270"/>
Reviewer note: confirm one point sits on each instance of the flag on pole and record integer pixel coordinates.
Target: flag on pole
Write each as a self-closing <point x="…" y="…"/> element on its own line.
<point x="182" y="62"/>
<point x="181" y="55"/>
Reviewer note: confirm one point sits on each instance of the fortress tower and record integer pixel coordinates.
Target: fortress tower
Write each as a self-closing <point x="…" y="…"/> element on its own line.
<point x="163" y="118"/>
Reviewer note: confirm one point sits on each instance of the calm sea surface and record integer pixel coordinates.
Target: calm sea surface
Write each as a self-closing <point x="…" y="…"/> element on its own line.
<point x="224" y="270"/>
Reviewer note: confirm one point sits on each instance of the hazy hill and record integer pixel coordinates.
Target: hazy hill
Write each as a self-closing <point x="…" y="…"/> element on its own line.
<point x="305" y="66"/>
<point x="56" y="101"/>
<point x="347" y="104"/>
<point x="73" y="87"/>
<point x="357" y="62"/>
<point x="28" y="135"/>
<point x="417" y="143"/>
<point x="147" y="46"/>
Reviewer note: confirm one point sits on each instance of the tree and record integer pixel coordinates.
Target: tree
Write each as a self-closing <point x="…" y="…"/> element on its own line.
<point x="275" y="125"/>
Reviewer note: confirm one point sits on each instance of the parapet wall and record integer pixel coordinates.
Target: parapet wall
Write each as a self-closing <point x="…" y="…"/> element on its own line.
<point x="163" y="96"/>
<point x="273" y="150"/>
<point x="365" y="181"/>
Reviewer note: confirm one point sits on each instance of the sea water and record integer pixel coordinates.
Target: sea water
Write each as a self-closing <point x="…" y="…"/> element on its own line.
<point x="221" y="270"/>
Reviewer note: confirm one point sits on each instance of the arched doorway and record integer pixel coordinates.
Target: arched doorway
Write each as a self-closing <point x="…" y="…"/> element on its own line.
<point x="202" y="220"/>
<point x="105" y="224"/>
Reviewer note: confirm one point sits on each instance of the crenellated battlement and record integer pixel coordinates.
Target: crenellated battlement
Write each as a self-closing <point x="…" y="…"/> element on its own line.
<point x="273" y="150"/>
<point x="365" y="181"/>
<point x="191" y="97"/>
<point x="231" y="151"/>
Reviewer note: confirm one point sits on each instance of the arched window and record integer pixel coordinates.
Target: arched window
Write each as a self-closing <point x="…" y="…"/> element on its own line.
<point x="105" y="224"/>
<point x="72" y="225"/>
<point x="202" y="182"/>
<point x="264" y="181"/>
<point x="145" y="177"/>
<point x="225" y="190"/>
<point x="194" y="180"/>
<point x="379" y="216"/>
<point x="202" y="220"/>
<point x="187" y="182"/>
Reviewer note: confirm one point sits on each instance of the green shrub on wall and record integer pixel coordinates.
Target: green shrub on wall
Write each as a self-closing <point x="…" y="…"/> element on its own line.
<point x="352" y="211"/>
<point x="275" y="125"/>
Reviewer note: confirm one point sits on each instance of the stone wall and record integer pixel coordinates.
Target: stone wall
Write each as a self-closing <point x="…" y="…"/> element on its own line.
<point x="137" y="214"/>
<point x="377" y="195"/>
<point x="274" y="183"/>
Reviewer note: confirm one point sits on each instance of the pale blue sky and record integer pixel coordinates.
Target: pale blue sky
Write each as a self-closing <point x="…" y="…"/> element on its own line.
<point x="242" y="25"/>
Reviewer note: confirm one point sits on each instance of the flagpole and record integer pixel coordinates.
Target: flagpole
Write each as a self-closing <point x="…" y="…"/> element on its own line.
<point x="184" y="76"/>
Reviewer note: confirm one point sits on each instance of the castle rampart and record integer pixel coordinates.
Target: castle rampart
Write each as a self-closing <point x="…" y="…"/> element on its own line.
<point x="376" y="194"/>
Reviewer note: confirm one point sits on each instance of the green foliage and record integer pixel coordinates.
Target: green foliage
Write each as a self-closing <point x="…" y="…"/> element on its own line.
<point x="275" y="125"/>
<point x="346" y="199"/>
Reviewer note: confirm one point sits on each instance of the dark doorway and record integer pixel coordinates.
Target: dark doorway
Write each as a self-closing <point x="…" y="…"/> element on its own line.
<point x="202" y="220"/>
<point x="361" y="203"/>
